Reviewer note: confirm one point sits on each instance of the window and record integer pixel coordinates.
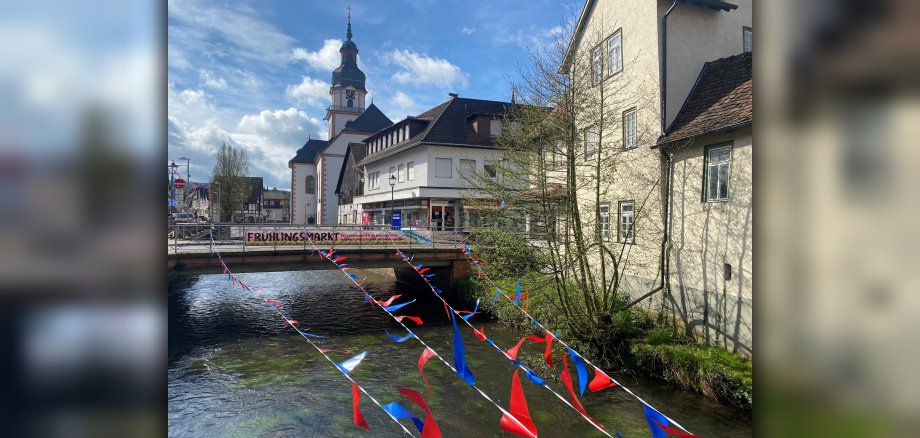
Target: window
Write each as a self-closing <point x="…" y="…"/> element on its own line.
<point x="443" y="168"/>
<point x="747" y="37"/>
<point x="591" y="141"/>
<point x="392" y="172"/>
<point x="615" y="53"/>
<point x="627" y="218"/>
<point x="629" y="128"/>
<point x="410" y="170"/>
<point x="373" y="180"/>
<point x="495" y="128"/>
<point x="604" y="226"/>
<point x="311" y="220"/>
<point x="558" y="157"/>
<point x="311" y="185"/>
<point x="402" y="172"/>
<point x="468" y="168"/>
<point x="489" y="167"/>
<point x="597" y="64"/>
<point x="715" y="179"/>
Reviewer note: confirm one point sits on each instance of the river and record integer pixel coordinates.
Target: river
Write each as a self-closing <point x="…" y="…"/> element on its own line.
<point x="235" y="369"/>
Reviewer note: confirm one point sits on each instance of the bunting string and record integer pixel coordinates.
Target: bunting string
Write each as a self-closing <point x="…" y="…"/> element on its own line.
<point x="345" y="367"/>
<point x="466" y="375"/>
<point x="601" y="379"/>
<point x="419" y="269"/>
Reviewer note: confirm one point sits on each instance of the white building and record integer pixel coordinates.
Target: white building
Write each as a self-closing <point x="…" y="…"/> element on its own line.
<point x="315" y="167"/>
<point x="428" y="156"/>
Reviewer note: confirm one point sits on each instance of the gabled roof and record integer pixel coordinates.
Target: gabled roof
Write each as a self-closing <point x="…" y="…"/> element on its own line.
<point x="721" y="99"/>
<point x="309" y="151"/>
<point x="449" y="126"/>
<point x="355" y="152"/>
<point x="371" y="120"/>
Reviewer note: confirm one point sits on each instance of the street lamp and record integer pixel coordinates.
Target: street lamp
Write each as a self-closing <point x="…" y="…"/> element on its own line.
<point x="172" y="179"/>
<point x="392" y="186"/>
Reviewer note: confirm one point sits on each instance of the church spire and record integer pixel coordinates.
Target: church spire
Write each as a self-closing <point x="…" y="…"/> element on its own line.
<point x="349" y="24"/>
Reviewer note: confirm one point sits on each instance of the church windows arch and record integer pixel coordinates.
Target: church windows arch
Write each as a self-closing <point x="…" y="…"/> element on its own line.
<point x="311" y="185"/>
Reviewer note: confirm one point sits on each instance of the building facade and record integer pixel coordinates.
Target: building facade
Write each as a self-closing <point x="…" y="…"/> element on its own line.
<point x="641" y="60"/>
<point x="416" y="172"/>
<point x="315" y="167"/>
<point x="276" y="205"/>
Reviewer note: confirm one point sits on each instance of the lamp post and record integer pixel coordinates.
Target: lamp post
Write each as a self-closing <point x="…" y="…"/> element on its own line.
<point x="392" y="186"/>
<point x="172" y="178"/>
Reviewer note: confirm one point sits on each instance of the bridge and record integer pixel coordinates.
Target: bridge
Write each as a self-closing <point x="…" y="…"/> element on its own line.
<point x="274" y="248"/>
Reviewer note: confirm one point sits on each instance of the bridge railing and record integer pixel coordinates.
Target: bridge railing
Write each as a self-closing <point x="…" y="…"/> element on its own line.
<point x="195" y="238"/>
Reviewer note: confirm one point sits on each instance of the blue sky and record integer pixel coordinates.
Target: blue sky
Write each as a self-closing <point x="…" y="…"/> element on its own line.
<point x="257" y="74"/>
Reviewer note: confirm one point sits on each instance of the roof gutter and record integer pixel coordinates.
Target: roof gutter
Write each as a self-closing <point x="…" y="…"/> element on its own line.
<point x="664" y="66"/>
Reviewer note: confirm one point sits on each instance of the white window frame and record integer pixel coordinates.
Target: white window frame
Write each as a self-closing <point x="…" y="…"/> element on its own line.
<point x="630" y="138"/>
<point x="401" y="172"/>
<point x="717" y="166"/>
<point x="604" y="225"/>
<point x="446" y="163"/>
<point x="410" y="171"/>
<point x="626" y="222"/>
<point x="747" y="39"/>
<point x="495" y="128"/>
<point x="597" y="64"/>
<point x="465" y="169"/>
<point x="592" y="140"/>
<point x="615" y="53"/>
<point x="489" y="169"/>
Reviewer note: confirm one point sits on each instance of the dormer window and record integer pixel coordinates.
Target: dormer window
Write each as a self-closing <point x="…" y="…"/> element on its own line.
<point x="495" y="128"/>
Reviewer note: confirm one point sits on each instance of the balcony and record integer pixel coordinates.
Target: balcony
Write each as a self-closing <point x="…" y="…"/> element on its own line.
<point x="345" y="109"/>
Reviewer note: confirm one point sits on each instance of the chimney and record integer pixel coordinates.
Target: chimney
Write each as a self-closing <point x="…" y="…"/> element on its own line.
<point x="453" y="95"/>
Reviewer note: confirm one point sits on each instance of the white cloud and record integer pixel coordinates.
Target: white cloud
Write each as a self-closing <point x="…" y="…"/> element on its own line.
<point x="271" y="137"/>
<point x="467" y="30"/>
<point x="326" y="58"/>
<point x="312" y="91"/>
<point x="401" y="104"/>
<point x="207" y="79"/>
<point x="423" y="70"/>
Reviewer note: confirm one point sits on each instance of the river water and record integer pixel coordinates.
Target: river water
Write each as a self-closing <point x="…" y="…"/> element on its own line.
<point x="235" y="369"/>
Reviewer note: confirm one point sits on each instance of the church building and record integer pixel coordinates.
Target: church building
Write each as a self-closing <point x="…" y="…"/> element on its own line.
<point x="316" y="166"/>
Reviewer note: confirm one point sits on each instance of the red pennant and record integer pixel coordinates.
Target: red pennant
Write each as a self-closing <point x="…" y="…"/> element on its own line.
<point x="600" y="381"/>
<point x="518" y="409"/>
<point x="513" y="351"/>
<point x="273" y="302"/>
<point x="548" y="354"/>
<point x="339" y="259"/>
<point x="291" y="321"/>
<point x="422" y="360"/>
<point x="241" y="283"/>
<point x="673" y="431"/>
<point x="481" y="333"/>
<point x="355" y="398"/>
<point x="430" y="429"/>
<point x="327" y="350"/>
<point x="414" y="319"/>
<point x="567" y="381"/>
<point x="423" y="270"/>
<point x="389" y="301"/>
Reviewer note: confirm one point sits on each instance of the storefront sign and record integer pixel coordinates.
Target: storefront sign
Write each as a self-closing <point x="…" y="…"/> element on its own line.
<point x="269" y="235"/>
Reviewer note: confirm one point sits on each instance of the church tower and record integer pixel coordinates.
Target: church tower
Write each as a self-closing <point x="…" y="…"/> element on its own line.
<point x="347" y="90"/>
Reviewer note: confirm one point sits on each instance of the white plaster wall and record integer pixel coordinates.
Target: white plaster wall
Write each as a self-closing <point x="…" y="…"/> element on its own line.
<point x="302" y="204"/>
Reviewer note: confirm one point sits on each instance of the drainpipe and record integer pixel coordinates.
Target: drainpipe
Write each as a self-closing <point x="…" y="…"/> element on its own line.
<point x="666" y="211"/>
<point x="663" y="69"/>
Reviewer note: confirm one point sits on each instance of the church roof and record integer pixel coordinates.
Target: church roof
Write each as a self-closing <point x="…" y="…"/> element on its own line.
<point x="371" y="120"/>
<point x="309" y="151"/>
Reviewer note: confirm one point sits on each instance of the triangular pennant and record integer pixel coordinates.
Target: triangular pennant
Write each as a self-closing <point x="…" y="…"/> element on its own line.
<point x="582" y="370"/>
<point x="273" y="303"/>
<point x="428" y="353"/>
<point x="548" y="354"/>
<point x="388" y="301"/>
<point x="355" y="398"/>
<point x="518" y="408"/>
<point x="398" y="339"/>
<point x="658" y="424"/>
<point x="399" y="412"/>
<point x="513" y="351"/>
<point x="430" y="429"/>
<point x="600" y="381"/>
<point x="414" y="319"/>
<point x="396" y="307"/>
<point x="459" y="356"/>
<point x="567" y="381"/>
<point x="467" y="317"/>
<point x="517" y="299"/>
<point x="350" y="364"/>
<point x="481" y="333"/>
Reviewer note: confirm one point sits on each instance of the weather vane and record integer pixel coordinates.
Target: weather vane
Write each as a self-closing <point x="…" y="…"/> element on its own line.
<point x="349" y="13"/>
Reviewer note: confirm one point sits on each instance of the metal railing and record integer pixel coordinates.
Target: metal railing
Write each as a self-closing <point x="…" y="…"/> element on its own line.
<point x="348" y="109"/>
<point x="195" y="238"/>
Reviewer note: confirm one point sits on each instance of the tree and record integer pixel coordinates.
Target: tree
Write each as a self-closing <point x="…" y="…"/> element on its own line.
<point x="567" y="163"/>
<point x="232" y="172"/>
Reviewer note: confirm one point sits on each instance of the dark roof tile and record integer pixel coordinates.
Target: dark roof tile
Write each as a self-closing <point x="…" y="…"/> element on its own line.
<point x="721" y="99"/>
<point x="309" y="151"/>
<point x="371" y="120"/>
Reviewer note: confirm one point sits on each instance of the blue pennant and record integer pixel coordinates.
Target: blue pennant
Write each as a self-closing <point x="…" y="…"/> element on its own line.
<point x="518" y="298"/>
<point x="582" y="371"/>
<point x="402" y="339"/>
<point x="311" y="334"/>
<point x="495" y="300"/>
<point x="653" y="416"/>
<point x="353" y="276"/>
<point x="396" y="307"/>
<point x="535" y="378"/>
<point x="418" y="267"/>
<point x="467" y="317"/>
<point x="428" y="275"/>
<point x="399" y="412"/>
<point x="459" y="355"/>
<point x="367" y="297"/>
